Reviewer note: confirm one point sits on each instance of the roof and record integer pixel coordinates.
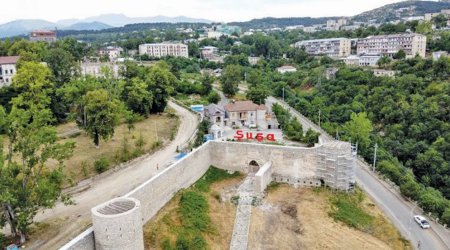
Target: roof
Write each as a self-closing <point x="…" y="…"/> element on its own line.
<point x="213" y="109"/>
<point x="46" y="32"/>
<point x="9" y="59"/>
<point x="244" y="106"/>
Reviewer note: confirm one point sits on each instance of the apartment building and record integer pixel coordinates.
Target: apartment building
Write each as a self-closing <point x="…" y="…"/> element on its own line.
<point x="388" y="45"/>
<point x="332" y="47"/>
<point x="164" y="49"/>
<point x="111" y="52"/>
<point x="208" y="52"/>
<point x="43" y="35"/>
<point x="7" y="69"/>
<point x="97" y="69"/>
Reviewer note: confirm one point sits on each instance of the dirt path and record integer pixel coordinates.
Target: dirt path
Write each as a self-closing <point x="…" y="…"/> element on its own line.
<point x="114" y="185"/>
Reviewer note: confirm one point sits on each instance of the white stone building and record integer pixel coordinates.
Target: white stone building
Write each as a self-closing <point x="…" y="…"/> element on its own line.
<point x="7" y="69"/>
<point x="286" y="69"/>
<point x="352" y="60"/>
<point x="438" y="54"/>
<point x="332" y="47"/>
<point x="413" y="44"/>
<point x="215" y="114"/>
<point x="384" y="72"/>
<point x="369" y="60"/>
<point x="246" y="113"/>
<point x="96" y="69"/>
<point x="164" y="49"/>
<point x="253" y="60"/>
<point x="112" y="52"/>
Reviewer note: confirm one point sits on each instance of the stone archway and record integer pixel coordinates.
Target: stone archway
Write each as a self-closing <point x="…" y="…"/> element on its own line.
<point x="253" y="167"/>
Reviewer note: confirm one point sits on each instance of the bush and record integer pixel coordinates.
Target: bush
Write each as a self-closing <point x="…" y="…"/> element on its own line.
<point x="446" y="216"/>
<point x="213" y="97"/>
<point x="101" y="165"/>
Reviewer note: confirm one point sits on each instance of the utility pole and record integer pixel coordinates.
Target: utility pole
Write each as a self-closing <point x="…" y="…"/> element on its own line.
<point x="375" y="157"/>
<point x="319" y="118"/>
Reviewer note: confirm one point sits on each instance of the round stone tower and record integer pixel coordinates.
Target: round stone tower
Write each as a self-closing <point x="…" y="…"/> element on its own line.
<point x="118" y="225"/>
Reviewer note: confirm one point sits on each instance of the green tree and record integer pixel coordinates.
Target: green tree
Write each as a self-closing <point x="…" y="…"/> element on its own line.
<point x="27" y="183"/>
<point x="101" y="115"/>
<point x="137" y="97"/>
<point x="424" y="28"/>
<point x="384" y="61"/>
<point x="207" y="82"/>
<point x="231" y="76"/>
<point x="257" y="94"/>
<point x="62" y="64"/>
<point x="358" y="129"/>
<point x="400" y="54"/>
<point x="160" y="82"/>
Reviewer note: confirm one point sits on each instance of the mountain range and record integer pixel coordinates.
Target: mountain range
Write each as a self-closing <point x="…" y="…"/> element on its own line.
<point x="24" y="26"/>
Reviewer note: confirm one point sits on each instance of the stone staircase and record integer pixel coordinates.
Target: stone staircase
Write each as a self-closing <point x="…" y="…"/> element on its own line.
<point x="247" y="199"/>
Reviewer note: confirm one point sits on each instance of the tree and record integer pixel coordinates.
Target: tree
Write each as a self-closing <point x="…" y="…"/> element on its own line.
<point x="207" y="82"/>
<point x="257" y="94"/>
<point x="160" y="82"/>
<point x="101" y="115"/>
<point x="27" y="182"/>
<point x="384" y="61"/>
<point x="424" y="28"/>
<point x="62" y="65"/>
<point x="400" y="55"/>
<point x="213" y="97"/>
<point x="358" y="129"/>
<point x="137" y="97"/>
<point x="254" y="78"/>
<point x="231" y="76"/>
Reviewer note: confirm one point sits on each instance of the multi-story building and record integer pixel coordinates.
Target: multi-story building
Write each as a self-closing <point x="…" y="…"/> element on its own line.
<point x="351" y="60"/>
<point x="7" y="69"/>
<point x="286" y="69"/>
<point x="98" y="69"/>
<point x="332" y="47"/>
<point x="112" y="52"/>
<point x="164" y="49"/>
<point x="208" y="52"/>
<point x="369" y="60"/>
<point x="43" y="35"/>
<point x="388" y="45"/>
<point x="246" y="113"/>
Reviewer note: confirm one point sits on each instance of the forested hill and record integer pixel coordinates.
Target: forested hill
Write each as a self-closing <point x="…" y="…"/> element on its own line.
<point x="388" y="12"/>
<point x="271" y="22"/>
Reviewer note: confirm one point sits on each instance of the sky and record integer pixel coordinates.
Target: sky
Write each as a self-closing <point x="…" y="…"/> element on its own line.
<point x="215" y="10"/>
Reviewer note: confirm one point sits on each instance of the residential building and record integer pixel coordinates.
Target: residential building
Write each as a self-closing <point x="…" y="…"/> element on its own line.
<point x="437" y="54"/>
<point x="164" y="49"/>
<point x="332" y="47"/>
<point x="351" y="60"/>
<point x="96" y="69"/>
<point x="253" y="60"/>
<point x="111" y="52"/>
<point x="7" y="69"/>
<point x="286" y="69"/>
<point x="384" y="72"/>
<point x="246" y="113"/>
<point x="369" y="60"/>
<point x="388" y="45"/>
<point x="43" y="35"/>
<point x="215" y="114"/>
<point x="208" y="52"/>
<point x="310" y="29"/>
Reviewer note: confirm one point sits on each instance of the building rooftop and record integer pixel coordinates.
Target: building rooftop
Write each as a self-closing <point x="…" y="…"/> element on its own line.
<point x="394" y="35"/>
<point x="244" y="106"/>
<point x="9" y="59"/>
<point x="213" y="109"/>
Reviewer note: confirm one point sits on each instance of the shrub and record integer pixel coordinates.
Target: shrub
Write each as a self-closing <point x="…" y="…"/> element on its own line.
<point x="101" y="165"/>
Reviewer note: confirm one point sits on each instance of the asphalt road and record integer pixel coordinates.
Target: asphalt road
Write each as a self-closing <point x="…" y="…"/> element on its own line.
<point x="395" y="207"/>
<point x="116" y="184"/>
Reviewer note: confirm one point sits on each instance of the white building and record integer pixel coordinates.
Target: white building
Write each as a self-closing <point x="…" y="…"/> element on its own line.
<point x="208" y="52"/>
<point x="369" y="60"/>
<point x="253" y="60"/>
<point x="7" y="69"/>
<point x="112" y="52"/>
<point x="413" y="44"/>
<point x="383" y="72"/>
<point x="438" y="54"/>
<point x="332" y="47"/>
<point x="352" y="60"/>
<point x="96" y="69"/>
<point x="164" y="49"/>
<point x="246" y="113"/>
<point x="286" y="69"/>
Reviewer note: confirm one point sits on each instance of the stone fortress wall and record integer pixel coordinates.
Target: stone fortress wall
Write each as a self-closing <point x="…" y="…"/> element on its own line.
<point x="331" y="164"/>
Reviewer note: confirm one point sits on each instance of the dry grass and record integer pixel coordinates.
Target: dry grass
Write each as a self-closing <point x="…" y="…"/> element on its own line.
<point x="81" y="164"/>
<point x="166" y="224"/>
<point x="312" y="228"/>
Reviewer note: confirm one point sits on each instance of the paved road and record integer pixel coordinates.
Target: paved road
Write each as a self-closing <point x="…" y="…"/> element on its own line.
<point x="388" y="199"/>
<point x="116" y="184"/>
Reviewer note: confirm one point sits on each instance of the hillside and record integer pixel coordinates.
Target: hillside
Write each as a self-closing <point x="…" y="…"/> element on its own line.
<point x="271" y="22"/>
<point x="22" y="27"/>
<point x="88" y="26"/>
<point x="390" y="12"/>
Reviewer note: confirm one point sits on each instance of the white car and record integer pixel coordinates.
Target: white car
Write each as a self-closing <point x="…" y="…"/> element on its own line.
<point x="423" y="223"/>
